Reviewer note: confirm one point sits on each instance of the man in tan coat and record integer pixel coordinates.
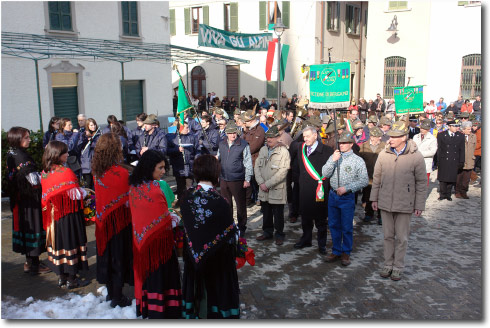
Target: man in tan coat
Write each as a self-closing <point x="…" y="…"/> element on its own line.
<point x="464" y="175"/>
<point x="271" y="169"/>
<point x="399" y="189"/>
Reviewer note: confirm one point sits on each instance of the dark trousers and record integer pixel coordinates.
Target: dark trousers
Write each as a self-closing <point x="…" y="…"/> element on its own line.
<point x="368" y="210"/>
<point x="183" y="183"/>
<point x="273" y="219"/>
<point x="229" y="189"/>
<point x="321" y="225"/>
<point x="477" y="163"/>
<point x="252" y="191"/>
<point x="295" y="201"/>
<point x="445" y="189"/>
<point x="463" y="182"/>
<point x="89" y="180"/>
<point x="289" y="188"/>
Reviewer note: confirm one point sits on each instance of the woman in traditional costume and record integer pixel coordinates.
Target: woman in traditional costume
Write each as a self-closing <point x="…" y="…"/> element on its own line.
<point x="62" y="205"/>
<point x="210" y="283"/>
<point x="24" y="187"/>
<point x="157" y="286"/>
<point x="113" y="219"/>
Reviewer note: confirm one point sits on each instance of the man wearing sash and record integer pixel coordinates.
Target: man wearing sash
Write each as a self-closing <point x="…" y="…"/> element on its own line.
<point x="312" y="188"/>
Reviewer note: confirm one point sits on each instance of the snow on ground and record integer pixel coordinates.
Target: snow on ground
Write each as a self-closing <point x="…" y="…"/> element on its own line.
<point x="70" y="306"/>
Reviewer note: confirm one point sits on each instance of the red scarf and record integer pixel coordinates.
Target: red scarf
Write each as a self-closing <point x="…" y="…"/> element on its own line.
<point x="153" y="239"/>
<point x="111" y="195"/>
<point x="55" y="201"/>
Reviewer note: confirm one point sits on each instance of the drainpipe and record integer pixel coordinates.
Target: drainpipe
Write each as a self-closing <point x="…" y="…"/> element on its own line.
<point x="39" y="98"/>
<point x="322" y="35"/>
<point x="123" y="94"/>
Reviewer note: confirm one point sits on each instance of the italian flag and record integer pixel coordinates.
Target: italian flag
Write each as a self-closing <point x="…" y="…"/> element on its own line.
<point x="348" y="125"/>
<point x="272" y="57"/>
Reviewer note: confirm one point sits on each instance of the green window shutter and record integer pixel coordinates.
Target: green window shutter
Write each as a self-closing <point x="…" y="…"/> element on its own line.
<point x="262" y="15"/>
<point x="205" y="13"/>
<point x="172" y="22"/>
<point x="272" y="89"/>
<point x="234" y="16"/>
<point x="285" y="13"/>
<point x="462" y="3"/>
<point x="65" y="101"/>
<point x="338" y="16"/>
<point x="329" y="15"/>
<point x="187" y="20"/>
<point x="131" y="99"/>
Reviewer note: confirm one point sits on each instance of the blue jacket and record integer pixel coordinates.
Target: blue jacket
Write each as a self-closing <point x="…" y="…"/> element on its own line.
<point x="136" y="133"/>
<point x="70" y="139"/>
<point x="194" y="127"/>
<point x="176" y="159"/>
<point x="156" y="140"/>
<point x="86" y="151"/>
<point x="210" y="147"/>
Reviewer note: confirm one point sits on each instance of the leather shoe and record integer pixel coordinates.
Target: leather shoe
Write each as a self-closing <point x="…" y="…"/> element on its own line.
<point x="458" y="196"/>
<point x="332" y="258"/>
<point x="62" y="282"/>
<point x="322" y="250"/>
<point x="300" y="245"/>
<point x="279" y="242"/>
<point x="262" y="237"/>
<point x="441" y="198"/>
<point x="465" y="196"/>
<point x="27" y="267"/>
<point x="41" y="268"/>
<point x="345" y="259"/>
<point x="122" y="302"/>
<point x="449" y="198"/>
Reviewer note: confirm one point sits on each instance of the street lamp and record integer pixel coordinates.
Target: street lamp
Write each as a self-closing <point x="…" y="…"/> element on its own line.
<point x="393" y="26"/>
<point x="279" y="29"/>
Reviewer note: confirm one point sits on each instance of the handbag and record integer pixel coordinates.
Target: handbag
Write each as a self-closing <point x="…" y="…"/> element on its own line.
<point x="72" y="163"/>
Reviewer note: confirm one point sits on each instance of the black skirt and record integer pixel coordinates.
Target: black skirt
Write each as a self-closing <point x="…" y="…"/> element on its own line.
<point x="69" y="254"/>
<point x="162" y="292"/>
<point x="116" y="264"/>
<point x="213" y="292"/>
<point x="30" y="237"/>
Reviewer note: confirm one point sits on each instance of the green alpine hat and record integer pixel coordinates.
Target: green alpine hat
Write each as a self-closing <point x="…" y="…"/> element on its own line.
<point x="425" y="124"/>
<point x="375" y="132"/>
<point x="464" y="115"/>
<point x="357" y="124"/>
<point x="346" y="136"/>
<point x="385" y="121"/>
<point x="218" y="110"/>
<point x="398" y="129"/>
<point x="330" y="128"/>
<point x="248" y="116"/>
<point x="231" y="127"/>
<point x="272" y="132"/>
<point x="372" y="119"/>
<point x="314" y="121"/>
<point x="151" y="119"/>
<point x="326" y="119"/>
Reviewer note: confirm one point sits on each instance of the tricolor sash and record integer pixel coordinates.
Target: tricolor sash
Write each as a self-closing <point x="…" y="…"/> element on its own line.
<point x="320" y="193"/>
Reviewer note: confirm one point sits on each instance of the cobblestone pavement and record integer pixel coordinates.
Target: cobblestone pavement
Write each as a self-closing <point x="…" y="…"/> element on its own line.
<point x="442" y="277"/>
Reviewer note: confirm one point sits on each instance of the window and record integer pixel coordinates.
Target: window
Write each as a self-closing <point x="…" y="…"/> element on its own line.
<point x="269" y="11"/>
<point x="231" y="17"/>
<point x="131" y="99"/>
<point x="130" y="18"/>
<point x="394" y="75"/>
<point x="195" y="16"/>
<point x="333" y="16"/>
<point x="352" y="19"/>
<point x="466" y="3"/>
<point x="60" y="16"/>
<point x="65" y="95"/>
<point x="471" y="76"/>
<point x="198" y="81"/>
<point x="397" y="5"/>
<point x="271" y="89"/>
<point x="172" y="22"/>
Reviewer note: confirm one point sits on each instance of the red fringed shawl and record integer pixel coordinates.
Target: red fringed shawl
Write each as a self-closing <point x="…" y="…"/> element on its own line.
<point x="153" y="239"/>
<point x="111" y="197"/>
<point x="55" y="201"/>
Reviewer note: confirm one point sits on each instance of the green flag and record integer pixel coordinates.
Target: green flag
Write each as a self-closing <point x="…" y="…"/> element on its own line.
<point x="183" y="102"/>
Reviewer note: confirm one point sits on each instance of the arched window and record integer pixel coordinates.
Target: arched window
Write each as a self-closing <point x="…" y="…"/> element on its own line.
<point x="198" y="81"/>
<point x="470" y="86"/>
<point x="394" y="75"/>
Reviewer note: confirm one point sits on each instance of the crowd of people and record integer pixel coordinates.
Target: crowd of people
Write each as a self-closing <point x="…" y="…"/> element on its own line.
<point x="253" y="152"/>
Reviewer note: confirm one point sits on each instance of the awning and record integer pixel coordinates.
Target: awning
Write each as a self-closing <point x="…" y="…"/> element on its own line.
<point x="35" y="46"/>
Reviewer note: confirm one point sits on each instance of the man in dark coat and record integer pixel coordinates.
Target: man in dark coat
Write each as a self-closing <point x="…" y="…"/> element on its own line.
<point x="413" y="129"/>
<point x="208" y="143"/>
<point x="312" y="155"/>
<point x="153" y="138"/>
<point x="177" y="149"/>
<point x="450" y="158"/>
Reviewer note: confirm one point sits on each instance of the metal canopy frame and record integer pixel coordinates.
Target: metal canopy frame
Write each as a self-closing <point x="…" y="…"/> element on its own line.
<point x="35" y="46"/>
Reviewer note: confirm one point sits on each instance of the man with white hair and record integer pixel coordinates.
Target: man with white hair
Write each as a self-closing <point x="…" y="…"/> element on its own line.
<point x="82" y="119"/>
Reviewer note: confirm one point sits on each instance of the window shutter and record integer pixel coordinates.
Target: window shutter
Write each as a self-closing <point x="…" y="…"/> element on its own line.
<point x="262" y="15"/>
<point x="132" y="104"/>
<point x="65" y="102"/>
<point x="338" y="16"/>
<point x="187" y="20"/>
<point x="205" y="13"/>
<point x="172" y="22"/>
<point x="271" y="89"/>
<point x="234" y="17"/>
<point x="285" y="13"/>
<point x="328" y="15"/>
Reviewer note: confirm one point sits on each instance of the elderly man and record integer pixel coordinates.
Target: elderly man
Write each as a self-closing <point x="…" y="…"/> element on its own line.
<point x="403" y="165"/>
<point x="427" y="145"/>
<point x="341" y="200"/>
<point x="369" y="153"/>
<point x="464" y="175"/>
<point x="236" y="172"/>
<point x="221" y="125"/>
<point x="255" y="136"/>
<point x="385" y="126"/>
<point x="450" y="158"/>
<point x="390" y="109"/>
<point x="153" y="138"/>
<point x="82" y="119"/>
<point x="312" y="188"/>
<point x="271" y="169"/>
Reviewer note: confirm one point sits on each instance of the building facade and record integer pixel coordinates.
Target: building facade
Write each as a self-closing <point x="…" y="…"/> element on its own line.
<point x="92" y="86"/>
<point x="313" y="27"/>
<point x="437" y="44"/>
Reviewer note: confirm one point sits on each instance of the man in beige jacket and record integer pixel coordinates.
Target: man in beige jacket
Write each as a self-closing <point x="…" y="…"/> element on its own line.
<point x="464" y="175"/>
<point x="399" y="189"/>
<point x="271" y="169"/>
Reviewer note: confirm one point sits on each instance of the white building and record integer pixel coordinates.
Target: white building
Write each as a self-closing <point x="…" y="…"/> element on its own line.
<point x="74" y="84"/>
<point x="437" y="44"/>
<point x="313" y="28"/>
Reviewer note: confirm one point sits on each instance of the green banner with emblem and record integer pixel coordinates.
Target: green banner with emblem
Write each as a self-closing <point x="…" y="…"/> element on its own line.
<point x="330" y="85"/>
<point x="409" y="99"/>
<point x="216" y="38"/>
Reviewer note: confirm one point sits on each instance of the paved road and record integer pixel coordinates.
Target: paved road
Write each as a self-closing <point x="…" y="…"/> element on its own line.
<point x="442" y="278"/>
